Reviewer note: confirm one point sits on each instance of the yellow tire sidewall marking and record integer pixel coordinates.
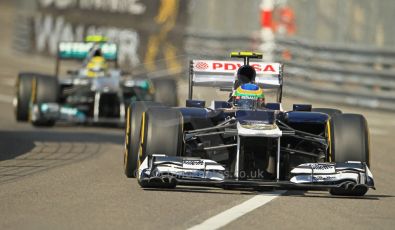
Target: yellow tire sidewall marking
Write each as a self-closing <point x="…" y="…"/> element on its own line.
<point x="142" y="132"/>
<point x="33" y="98"/>
<point x="127" y="137"/>
<point x="328" y="131"/>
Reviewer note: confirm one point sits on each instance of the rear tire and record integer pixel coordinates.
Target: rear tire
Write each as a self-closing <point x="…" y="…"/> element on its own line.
<point x="328" y="111"/>
<point x="349" y="142"/>
<point x="132" y="134"/>
<point x="166" y="92"/>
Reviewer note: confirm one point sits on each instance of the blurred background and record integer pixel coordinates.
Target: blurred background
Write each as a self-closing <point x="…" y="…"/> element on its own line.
<point x="337" y="54"/>
<point x="335" y="51"/>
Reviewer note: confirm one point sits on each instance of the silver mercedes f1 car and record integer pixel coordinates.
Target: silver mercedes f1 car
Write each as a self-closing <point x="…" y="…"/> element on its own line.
<point x="245" y="142"/>
<point x="97" y="92"/>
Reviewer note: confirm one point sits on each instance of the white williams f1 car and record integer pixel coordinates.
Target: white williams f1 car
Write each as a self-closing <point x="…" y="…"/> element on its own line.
<point x="245" y="142"/>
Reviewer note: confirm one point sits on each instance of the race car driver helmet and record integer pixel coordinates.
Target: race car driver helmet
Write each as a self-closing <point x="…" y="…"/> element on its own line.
<point x="248" y="96"/>
<point x="245" y="74"/>
<point x="97" y="53"/>
<point x="97" y="67"/>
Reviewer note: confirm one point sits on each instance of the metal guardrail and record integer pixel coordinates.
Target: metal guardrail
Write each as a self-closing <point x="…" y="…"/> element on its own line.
<point x="346" y="54"/>
<point x="355" y="75"/>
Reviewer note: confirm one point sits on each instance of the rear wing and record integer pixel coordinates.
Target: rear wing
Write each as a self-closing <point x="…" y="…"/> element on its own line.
<point x="81" y="50"/>
<point x="222" y="75"/>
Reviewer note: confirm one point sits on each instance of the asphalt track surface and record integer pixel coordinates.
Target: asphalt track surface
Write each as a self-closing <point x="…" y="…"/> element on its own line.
<point x="70" y="177"/>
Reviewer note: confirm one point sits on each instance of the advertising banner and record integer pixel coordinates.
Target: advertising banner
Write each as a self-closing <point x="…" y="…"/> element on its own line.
<point x="149" y="33"/>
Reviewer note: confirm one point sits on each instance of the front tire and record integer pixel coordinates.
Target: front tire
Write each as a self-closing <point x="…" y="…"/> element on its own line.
<point x="45" y="89"/>
<point x="161" y="133"/>
<point x="163" y="130"/>
<point x="350" y="138"/>
<point x="23" y="95"/>
<point x="349" y="142"/>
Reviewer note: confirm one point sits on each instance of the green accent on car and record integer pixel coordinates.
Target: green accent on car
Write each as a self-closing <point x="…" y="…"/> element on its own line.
<point x="145" y="85"/>
<point x="248" y="95"/>
<point x="80" y="50"/>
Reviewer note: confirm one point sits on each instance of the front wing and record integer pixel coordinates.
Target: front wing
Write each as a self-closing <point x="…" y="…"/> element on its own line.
<point x="59" y="113"/>
<point x="166" y="171"/>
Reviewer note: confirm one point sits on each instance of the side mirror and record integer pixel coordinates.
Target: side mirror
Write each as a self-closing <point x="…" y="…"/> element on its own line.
<point x="302" y="107"/>
<point x="195" y="103"/>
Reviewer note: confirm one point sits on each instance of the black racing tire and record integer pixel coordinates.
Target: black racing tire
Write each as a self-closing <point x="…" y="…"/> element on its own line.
<point x="23" y="95"/>
<point x="161" y="133"/>
<point x="349" y="142"/>
<point x="349" y="138"/>
<point x="328" y="111"/>
<point x="166" y="92"/>
<point x="45" y="89"/>
<point x="163" y="130"/>
<point x="132" y="135"/>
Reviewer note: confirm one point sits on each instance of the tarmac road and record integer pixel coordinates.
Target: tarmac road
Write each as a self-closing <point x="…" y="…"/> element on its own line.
<point x="72" y="178"/>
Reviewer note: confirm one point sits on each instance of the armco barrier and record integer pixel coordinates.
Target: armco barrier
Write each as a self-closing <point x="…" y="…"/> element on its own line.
<point x="356" y="54"/>
<point x="355" y="75"/>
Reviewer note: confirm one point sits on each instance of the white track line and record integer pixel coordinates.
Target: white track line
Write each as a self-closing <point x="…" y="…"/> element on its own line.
<point x="224" y="218"/>
<point x="6" y="98"/>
